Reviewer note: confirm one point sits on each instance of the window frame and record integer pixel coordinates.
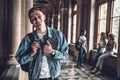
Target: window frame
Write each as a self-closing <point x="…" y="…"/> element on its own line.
<point x="109" y="21"/>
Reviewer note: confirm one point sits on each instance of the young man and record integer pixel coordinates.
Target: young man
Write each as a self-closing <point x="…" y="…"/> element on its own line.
<point x="40" y="52"/>
<point x="83" y="48"/>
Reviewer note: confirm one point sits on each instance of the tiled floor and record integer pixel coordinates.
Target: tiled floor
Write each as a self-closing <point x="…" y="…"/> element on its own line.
<point x="70" y="72"/>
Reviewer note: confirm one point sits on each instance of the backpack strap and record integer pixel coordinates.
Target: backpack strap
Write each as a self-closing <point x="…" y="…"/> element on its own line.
<point x="31" y="36"/>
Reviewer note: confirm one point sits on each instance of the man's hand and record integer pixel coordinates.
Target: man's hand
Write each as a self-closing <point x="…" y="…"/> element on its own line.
<point x="47" y="48"/>
<point x="35" y="45"/>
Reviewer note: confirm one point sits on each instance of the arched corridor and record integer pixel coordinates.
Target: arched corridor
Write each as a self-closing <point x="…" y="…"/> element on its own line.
<point x="69" y="17"/>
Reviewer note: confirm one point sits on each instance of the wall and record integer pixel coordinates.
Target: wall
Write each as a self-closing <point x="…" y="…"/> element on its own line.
<point x="73" y="52"/>
<point x="2" y="31"/>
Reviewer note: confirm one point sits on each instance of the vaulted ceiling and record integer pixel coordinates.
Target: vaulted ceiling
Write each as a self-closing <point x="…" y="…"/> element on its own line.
<point x="51" y="6"/>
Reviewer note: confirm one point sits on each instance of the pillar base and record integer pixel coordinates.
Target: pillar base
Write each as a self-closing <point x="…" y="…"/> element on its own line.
<point x="11" y="61"/>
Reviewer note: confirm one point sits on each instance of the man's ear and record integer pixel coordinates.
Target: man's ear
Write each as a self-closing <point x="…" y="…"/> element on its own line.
<point x="44" y="17"/>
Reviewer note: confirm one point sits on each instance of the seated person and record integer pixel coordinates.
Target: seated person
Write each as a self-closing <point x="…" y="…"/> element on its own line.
<point x="101" y="48"/>
<point x="110" y="47"/>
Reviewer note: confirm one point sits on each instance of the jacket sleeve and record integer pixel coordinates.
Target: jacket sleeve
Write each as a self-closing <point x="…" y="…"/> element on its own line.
<point x="23" y="55"/>
<point x="62" y="52"/>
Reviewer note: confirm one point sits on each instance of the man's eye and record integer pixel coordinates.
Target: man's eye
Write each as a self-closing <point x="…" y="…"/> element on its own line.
<point x="39" y="16"/>
<point x="32" y="18"/>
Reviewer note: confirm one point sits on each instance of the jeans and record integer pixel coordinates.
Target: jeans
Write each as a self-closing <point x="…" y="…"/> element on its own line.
<point x="98" y="54"/>
<point x="81" y="56"/>
<point x="102" y="57"/>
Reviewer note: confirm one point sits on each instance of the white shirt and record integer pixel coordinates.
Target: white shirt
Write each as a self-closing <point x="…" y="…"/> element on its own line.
<point x="45" y="72"/>
<point x="83" y="38"/>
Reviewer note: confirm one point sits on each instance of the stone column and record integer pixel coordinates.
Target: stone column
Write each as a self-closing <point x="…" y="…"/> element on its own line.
<point x="14" y="30"/>
<point x="78" y="18"/>
<point x="61" y="19"/>
<point x="64" y="21"/>
<point x="69" y="21"/>
<point x="92" y="22"/>
<point x="91" y="29"/>
<point x="49" y="20"/>
<point x="55" y="21"/>
<point x="29" y="4"/>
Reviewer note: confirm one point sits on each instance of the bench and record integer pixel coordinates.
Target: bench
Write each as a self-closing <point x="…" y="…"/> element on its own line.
<point x="110" y="63"/>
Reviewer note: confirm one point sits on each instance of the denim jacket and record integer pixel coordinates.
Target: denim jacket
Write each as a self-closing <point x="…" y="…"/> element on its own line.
<point x="24" y="58"/>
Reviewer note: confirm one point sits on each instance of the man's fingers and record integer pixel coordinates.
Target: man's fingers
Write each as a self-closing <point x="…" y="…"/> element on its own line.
<point x="48" y="43"/>
<point x="36" y="44"/>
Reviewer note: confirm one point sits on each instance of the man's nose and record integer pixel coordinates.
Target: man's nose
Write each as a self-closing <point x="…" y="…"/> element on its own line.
<point x="36" y="18"/>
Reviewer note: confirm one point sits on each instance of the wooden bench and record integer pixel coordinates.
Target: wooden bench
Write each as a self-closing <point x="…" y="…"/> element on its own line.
<point x="110" y="63"/>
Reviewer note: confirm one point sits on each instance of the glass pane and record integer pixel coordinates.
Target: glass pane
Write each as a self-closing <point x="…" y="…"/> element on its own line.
<point x="115" y="27"/>
<point x="101" y="28"/>
<point x="103" y="11"/>
<point x="102" y="19"/>
<point x="116" y="11"/>
<point x="102" y="24"/>
<point x="116" y="18"/>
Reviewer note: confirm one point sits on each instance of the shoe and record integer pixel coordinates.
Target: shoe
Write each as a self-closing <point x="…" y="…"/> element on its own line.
<point x="94" y="71"/>
<point x="98" y="73"/>
<point x="76" y="66"/>
<point x="81" y="65"/>
<point x="90" y="68"/>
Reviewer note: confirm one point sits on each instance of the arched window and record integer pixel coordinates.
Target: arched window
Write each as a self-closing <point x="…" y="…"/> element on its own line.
<point x="109" y="16"/>
<point x="102" y="18"/>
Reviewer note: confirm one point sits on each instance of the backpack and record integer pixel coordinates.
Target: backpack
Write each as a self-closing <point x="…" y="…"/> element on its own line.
<point x="77" y="46"/>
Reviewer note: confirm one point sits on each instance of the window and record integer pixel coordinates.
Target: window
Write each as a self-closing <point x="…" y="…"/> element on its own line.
<point x="102" y="19"/>
<point x="109" y="16"/>
<point x="115" y="19"/>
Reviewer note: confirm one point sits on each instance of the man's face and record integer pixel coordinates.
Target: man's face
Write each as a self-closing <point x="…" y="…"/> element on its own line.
<point x="84" y="33"/>
<point x="37" y="18"/>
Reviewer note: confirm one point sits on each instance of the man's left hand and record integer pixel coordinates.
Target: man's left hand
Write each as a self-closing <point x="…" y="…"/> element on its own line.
<point x="47" y="48"/>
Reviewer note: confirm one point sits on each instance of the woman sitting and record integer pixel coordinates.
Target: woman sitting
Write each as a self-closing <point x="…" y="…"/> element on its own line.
<point x="110" y="47"/>
<point x="101" y="49"/>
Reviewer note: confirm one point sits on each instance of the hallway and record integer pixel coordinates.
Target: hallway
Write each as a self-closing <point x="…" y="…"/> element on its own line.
<point x="70" y="72"/>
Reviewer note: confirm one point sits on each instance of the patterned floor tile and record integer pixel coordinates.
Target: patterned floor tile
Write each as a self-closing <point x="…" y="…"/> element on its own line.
<point x="70" y="72"/>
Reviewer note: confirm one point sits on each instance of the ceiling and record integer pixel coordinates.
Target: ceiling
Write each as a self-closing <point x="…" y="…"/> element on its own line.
<point x="51" y="6"/>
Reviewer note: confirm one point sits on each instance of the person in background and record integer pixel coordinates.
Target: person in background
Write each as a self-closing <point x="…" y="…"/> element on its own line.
<point x="110" y="49"/>
<point x="101" y="48"/>
<point x="82" y="41"/>
<point x="40" y="54"/>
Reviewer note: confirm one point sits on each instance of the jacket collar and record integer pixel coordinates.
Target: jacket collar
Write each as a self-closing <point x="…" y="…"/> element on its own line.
<point x="48" y="34"/>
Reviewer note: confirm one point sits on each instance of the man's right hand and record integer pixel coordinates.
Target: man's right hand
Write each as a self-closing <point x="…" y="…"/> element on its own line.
<point x="34" y="47"/>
